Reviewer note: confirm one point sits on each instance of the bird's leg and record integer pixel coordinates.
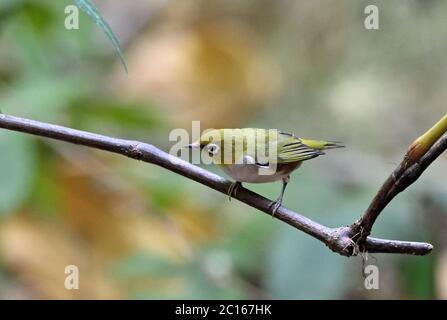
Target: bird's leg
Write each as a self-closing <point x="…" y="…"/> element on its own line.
<point x="278" y="201"/>
<point x="233" y="189"/>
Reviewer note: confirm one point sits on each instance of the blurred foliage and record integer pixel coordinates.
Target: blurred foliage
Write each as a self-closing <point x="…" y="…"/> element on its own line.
<point x="15" y="189"/>
<point x="137" y="231"/>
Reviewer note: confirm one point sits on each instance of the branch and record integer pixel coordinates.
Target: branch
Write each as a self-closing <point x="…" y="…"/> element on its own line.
<point x="340" y="240"/>
<point x="419" y="156"/>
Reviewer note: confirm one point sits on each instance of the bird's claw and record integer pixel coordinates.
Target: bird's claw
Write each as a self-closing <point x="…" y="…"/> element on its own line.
<point x="233" y="189"/>
<point x="275" y="206"/>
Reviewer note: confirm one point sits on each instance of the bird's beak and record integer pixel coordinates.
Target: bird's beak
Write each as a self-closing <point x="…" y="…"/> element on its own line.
<point x="193" y="145"/>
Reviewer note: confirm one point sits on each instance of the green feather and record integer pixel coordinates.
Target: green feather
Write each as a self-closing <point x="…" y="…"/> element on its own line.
<point x="259" y="143"/>
<point x="291" y="149"/>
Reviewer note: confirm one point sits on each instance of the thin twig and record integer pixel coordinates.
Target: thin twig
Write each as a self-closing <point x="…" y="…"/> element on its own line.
<point x="340" y="240"/>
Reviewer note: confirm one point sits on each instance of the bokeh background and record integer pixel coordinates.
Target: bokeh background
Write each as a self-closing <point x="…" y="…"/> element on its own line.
<point x="138" y="231"/>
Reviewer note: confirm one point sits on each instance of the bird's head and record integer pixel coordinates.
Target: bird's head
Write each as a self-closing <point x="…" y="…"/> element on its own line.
<point x="221" y="145"/>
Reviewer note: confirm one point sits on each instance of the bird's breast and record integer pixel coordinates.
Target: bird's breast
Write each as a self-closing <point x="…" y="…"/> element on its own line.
<point x="252" y="173"/>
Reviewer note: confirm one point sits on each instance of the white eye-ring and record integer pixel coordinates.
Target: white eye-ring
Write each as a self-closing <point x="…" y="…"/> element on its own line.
<point x="212" y="149"/>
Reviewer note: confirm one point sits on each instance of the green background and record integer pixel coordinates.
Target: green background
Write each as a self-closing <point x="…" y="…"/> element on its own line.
<point x="137" y="231"/>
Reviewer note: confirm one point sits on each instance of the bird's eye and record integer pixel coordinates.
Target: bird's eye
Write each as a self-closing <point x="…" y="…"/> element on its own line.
<point x="212" y="149"/>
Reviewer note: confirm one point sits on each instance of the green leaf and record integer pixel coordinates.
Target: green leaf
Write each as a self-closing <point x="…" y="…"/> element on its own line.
<point x="88" y="7"/>
<point x="17" y="163"/>
<point x="418" y="277"/>
<point x="115" y="113"/>
<point x="43" y="95"/>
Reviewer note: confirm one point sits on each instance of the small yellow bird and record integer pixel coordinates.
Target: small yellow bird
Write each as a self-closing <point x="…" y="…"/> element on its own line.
<point x="259" y="155"/>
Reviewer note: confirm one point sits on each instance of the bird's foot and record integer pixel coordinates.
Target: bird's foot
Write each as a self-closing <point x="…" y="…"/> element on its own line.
<point x="275" y="206"/>
<point x="233" y="189"/>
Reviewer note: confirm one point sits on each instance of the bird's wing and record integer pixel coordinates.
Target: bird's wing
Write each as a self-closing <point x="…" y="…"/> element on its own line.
<point x="291" y="149"/>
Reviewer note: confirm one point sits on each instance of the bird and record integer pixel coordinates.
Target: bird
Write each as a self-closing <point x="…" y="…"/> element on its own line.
<point x="254" y="155"/>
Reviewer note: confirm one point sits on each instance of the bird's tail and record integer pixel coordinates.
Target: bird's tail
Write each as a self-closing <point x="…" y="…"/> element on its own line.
<point x="322" y="144"/>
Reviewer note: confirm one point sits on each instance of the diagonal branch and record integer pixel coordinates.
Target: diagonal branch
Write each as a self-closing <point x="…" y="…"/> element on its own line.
<point x="339" y="240"/>
<point x="419" y="156"/>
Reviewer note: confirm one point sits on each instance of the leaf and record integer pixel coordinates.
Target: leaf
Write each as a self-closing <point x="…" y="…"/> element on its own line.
<point x="88" y="7"/>
<point x="115" y="113"/>
<point x="43" y="94"/>
<point x="17" y="163"/>
<point x="418" y="277"/>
